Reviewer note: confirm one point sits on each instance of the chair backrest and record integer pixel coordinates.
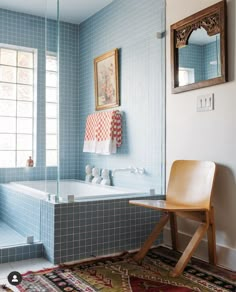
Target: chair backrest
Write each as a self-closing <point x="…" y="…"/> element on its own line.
<point x="191" y="183"/>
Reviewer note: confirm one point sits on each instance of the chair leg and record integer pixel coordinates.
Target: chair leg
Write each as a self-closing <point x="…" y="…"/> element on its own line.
<point x="191" y="247"/>
<point x="174" y="233"/>
<point x="211" y="234"/>
<point x="152" y="237"/>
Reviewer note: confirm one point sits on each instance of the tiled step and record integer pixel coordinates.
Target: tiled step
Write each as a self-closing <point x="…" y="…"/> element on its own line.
<point x="9" y="237"/>
<point x="13" y="246"/>
<point x="21" y="252"/>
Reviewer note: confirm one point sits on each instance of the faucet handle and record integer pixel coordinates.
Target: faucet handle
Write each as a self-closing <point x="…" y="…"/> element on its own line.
<point x="133" y="169"/>
<point x="137" y="170"/>
<point x="141" y="170"/>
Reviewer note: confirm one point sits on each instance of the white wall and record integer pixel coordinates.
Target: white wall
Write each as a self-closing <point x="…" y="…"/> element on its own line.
<point x="206" y="135"/>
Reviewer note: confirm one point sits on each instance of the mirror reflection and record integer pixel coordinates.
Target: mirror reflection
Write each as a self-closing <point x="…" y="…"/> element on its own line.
<point x="198" y="49"/>
<point x="200" y="59"/>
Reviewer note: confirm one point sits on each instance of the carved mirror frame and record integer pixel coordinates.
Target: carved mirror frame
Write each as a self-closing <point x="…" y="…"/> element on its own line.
<point x="213" y="20"/>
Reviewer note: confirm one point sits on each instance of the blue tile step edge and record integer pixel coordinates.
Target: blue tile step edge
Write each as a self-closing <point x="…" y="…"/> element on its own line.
<point x="21" y="252"/>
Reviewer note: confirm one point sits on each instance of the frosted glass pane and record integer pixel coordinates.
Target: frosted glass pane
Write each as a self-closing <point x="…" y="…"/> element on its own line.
<point x="51" y="157"/>
<point x="7" y="159"/>
<point x="22" y="157"/>
<point x="8" y="74"/>
<point x="25" y="59"/>
<point x="7" y="125"/>
<point x="8" y="57"/>
<point x="24" y="109"/>
<point x="51" y="79"/>
<point x="7" y="108"/>
<point x="51" y="142"/>
<point x="7" y="91"/>
<point x="7" y="142"/>
<point x="24" y="126"/>
<point x="51" y="94"/>
<point x="25" y="92"/>
<point x="25" y="76"/>
<point x="51" y="110"/>
<point x="51" y="63"/>
<point x="51" y="126"/>
<point x="24" y="142"/>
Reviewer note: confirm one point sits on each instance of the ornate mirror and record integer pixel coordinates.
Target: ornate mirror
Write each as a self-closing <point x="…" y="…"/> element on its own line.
<point x="198" y="49"/>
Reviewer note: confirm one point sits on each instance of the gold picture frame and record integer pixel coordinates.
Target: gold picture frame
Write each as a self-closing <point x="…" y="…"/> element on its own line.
<point x="106" y="80"/>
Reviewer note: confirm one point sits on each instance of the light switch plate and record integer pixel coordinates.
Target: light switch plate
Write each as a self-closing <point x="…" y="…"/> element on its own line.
<point x="205" y="102"/>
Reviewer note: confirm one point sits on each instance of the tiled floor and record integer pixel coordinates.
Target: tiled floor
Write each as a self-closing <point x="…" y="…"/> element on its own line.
<point x="22" y="267"/>
<point x="11" y="237"/>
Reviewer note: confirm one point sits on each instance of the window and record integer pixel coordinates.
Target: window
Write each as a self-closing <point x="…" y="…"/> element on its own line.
<point x="17" y="98"/>
<point x="186" y="76"/>
<point x="51" y="110"/>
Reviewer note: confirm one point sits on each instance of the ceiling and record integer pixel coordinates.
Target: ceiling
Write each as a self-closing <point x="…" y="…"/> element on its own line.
<point x="74" y="11"/>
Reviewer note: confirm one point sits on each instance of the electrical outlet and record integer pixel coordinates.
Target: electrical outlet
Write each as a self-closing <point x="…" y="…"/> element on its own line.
<point x="205" y="102"/>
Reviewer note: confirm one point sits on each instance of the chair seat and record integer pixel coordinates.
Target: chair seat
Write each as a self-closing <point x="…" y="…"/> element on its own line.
<point x="165" y="206"/>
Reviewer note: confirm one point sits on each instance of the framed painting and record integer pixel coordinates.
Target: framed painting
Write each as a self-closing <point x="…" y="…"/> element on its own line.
<point x="106" y="80"/>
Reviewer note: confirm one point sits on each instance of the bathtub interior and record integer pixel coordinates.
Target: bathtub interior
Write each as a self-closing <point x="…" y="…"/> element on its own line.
<point x="80" y="189"/>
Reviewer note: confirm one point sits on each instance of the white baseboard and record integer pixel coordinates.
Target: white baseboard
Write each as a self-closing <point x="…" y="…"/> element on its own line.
<point x="226" y="256"/>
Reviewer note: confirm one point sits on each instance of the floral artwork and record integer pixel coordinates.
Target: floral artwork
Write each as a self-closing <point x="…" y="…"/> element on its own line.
<point x="106" y="80"/>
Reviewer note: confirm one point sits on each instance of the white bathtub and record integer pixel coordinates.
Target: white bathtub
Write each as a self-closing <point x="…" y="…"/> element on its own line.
<point x="80" y="190"/>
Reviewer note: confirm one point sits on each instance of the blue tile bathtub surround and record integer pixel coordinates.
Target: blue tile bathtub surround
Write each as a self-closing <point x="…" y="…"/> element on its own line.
<point x="130" y="26"/>
<point x="48" y="229"/>
<point x="20" y="211"/>
<point x="29" y="31"/>
<point x="84" y="229"/>
<point x="74" y="231"/>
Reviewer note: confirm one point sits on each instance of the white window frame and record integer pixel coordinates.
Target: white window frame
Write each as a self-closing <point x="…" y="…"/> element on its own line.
<point x="34" y="103"/>
<point x="190" y="74"/>
<point x="51" y="118"/>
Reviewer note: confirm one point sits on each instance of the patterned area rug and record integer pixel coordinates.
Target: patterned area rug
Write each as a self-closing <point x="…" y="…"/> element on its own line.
<point x="122" y="273"/>
<point x="4" y="288"/>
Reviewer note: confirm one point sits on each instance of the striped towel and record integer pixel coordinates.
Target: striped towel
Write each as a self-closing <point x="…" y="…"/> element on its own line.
<point x="103" y="133"/>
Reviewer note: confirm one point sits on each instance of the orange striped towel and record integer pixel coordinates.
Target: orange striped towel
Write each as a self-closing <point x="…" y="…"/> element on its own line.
<point x="103" y="132"/>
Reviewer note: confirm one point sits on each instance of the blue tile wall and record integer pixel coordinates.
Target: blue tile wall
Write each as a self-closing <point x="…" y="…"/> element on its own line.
<point x="211" y="54"/>
<point x="130" y="26"/>
<point x="29" y="31"/>
<point x="141" y="87"/>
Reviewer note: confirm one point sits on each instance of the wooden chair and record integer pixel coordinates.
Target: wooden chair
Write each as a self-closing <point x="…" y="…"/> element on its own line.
<point x="189" y="196"/>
